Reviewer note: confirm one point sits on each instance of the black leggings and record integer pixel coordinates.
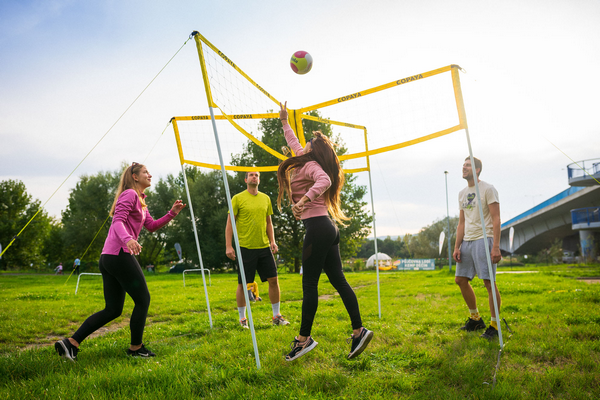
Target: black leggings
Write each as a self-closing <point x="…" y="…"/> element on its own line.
<point x="321" y="252"/>
<point x="120" y="274"/>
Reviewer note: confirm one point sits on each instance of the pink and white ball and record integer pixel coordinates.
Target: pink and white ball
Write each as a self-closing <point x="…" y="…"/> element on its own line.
<point x="301" y="62"/>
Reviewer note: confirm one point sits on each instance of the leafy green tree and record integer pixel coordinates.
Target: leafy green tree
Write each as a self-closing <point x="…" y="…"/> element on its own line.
<point x="289" y="232"/>
<point x="85" y="218"/>
<point x="53" y="247"/>
<point x="16" y="210"/>
<point x="425" y="244"/>
<point x="210" y="212"/>
<point x="393" y="248"/>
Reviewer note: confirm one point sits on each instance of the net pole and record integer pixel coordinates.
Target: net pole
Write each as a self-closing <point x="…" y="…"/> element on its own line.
<point x="463" y="120"/>
<point x="211" y="106"/>
<point x="448" y="217"/>
<point x="237" y="243"/>
<point x="374" y="226"/>
<point x="187" y="190"/>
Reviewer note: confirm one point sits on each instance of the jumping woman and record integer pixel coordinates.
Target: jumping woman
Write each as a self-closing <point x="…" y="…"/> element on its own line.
<point x="313" y="180"/>
<point x="121" y="272"/>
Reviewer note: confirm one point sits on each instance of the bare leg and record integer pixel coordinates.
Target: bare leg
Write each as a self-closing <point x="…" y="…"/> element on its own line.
<point x="467" y="291"/>
<point x="274" y="293"/>
<point x="239" y="296"/>
<point x="488" y="286"/>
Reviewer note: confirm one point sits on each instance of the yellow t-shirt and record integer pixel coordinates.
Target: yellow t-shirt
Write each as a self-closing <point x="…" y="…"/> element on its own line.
<point x="251" y="219"/>
<point x="467" y="202"/>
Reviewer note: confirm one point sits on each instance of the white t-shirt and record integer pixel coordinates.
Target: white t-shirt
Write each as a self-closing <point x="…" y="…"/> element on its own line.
<point x="467" y="202"/>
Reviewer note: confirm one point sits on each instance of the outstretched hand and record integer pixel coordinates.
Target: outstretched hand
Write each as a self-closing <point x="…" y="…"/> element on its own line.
<point x="283" y="114"/>
<point x="177" y="206"/>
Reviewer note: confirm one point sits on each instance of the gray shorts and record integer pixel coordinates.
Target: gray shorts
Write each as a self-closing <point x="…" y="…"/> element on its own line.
<point x="474" y="260"/>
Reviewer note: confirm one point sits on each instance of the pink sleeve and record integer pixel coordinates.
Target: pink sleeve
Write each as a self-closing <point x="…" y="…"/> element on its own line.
<point x="153" y="225"/>
<point x="291" y="139"/>
<point x="313" y="170"/>
<point x="126" y="202"/>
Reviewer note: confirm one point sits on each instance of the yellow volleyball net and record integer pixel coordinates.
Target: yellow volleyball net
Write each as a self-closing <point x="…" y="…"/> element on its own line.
<point x="398" y="114"/>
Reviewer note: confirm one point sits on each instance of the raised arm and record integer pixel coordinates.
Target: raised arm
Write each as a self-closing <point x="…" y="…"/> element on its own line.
<point x="290" y="137"/>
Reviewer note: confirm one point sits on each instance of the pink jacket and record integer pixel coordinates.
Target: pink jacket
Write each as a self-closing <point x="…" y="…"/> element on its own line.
<point x="310" y="180"/>
<point x="127" y="222"/>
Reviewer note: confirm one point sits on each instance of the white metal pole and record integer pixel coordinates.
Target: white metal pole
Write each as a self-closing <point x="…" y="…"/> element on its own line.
<point x="187" y="190"/>
<point x="485" y="241"/>
<point x="375" y="241"/>
<point x="449" y="233"/>
<point x="235" y="236"/>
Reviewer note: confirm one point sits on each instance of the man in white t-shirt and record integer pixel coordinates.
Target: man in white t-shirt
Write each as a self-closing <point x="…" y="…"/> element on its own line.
<point x="469" y="250"/>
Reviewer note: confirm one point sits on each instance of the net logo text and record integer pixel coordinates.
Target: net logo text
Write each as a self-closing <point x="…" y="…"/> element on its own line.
<point x="409" y="79"/>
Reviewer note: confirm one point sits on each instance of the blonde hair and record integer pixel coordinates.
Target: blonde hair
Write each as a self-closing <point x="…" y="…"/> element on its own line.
<point x="127" y="182"/>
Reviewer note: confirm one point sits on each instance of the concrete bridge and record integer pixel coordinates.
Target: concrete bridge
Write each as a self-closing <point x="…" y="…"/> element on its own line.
<point x="572" y="216"/>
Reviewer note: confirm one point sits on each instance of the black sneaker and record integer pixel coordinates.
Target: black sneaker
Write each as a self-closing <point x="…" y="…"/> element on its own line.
<point x="300" y="350"/>
<point x="359" y="343"/>
<point x="141" y="352"/>
<point x="490" y="333"/>
<point x="66" y="349"/>
<point x="473" y="325"/>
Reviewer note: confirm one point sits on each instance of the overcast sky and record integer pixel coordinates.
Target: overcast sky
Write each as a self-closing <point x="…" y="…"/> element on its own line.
<point x="69" y="69"/>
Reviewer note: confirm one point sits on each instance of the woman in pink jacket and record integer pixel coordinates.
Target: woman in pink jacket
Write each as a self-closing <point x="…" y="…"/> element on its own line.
<point x="121" y="272"/>
<point x="313" y="180"/>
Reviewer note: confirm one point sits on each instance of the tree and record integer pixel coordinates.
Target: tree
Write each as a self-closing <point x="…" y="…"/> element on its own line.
<point x="425" y="244"/>
<point x="289" y="232"/>
<point x="393" y="248"/>
<point x="210" y="212"/>
<point x="16" y="209"/>
<point x="85" y="218"/>
<point x="53" y="247"/>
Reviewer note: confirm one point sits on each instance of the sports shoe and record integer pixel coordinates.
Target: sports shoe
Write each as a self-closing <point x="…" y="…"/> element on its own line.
<point x="473" y="325"/>
<point x="490" y="333"/>
<point x="299" y="350"/>
<point x="359" y="343"/>
<point x="66" y="349"/>
<point x="244" y="323"/>
<point x="141" y="352"/>
<point x="279" y="320"/>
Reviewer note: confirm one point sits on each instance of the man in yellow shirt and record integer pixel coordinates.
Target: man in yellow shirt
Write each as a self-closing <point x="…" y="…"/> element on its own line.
<point x="253" y="210"/>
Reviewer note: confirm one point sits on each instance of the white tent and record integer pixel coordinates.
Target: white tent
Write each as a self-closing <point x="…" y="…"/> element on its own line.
<point x="381" y="257"/>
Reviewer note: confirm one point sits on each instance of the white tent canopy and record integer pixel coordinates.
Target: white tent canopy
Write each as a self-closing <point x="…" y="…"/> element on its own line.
<point x="381" y="257"/>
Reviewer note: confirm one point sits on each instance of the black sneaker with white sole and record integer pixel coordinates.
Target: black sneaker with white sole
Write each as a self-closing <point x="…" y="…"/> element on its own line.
<point x="298" y="349"/>
<point x="473" y="325"/>
<point x="65" y="349"/>
<point x="141" y="352"/>
<point x="359" y="343"/>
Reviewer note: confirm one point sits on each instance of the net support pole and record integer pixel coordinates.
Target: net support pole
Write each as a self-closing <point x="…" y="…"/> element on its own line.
<point x="463" y="120"/>
<point x="211" y="106"/>
<point x="374" y="227"/>
<point x="448" y="217"/>
<point x="187" y="190"/>
<point x="236" y="241"/>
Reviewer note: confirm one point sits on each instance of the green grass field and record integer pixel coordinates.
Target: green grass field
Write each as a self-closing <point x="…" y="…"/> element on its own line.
<point x="417" y="351"/>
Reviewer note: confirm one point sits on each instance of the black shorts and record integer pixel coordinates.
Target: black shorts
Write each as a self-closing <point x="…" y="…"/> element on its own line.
<point x="257" y="260"/>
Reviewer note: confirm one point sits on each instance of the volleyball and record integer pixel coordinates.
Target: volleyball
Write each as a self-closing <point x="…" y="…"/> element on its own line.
<point x="301" y="62"/>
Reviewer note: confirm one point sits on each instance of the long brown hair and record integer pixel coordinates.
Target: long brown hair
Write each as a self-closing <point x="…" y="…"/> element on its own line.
<point x="323" y="153"/>
<point x="127" y="182"/>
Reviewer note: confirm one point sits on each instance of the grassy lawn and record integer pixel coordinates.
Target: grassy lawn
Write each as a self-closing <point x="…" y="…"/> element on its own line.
<point x="417" y="352"/>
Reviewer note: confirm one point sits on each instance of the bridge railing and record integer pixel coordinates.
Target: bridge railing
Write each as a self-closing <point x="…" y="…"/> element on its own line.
<point x="589" y="216"/>
<point x="580" y="170"/>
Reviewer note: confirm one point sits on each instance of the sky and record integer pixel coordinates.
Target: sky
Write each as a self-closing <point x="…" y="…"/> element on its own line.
<point x="69" y="69"/>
